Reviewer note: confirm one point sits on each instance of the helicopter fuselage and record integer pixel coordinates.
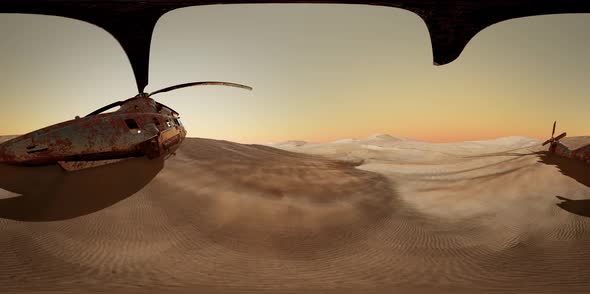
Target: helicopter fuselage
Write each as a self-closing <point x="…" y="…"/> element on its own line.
<point x="560" y="149"/>
<point x="141" y="127"/>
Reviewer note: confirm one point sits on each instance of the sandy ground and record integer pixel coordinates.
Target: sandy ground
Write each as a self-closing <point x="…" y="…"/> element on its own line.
<point x="374" y="215"/>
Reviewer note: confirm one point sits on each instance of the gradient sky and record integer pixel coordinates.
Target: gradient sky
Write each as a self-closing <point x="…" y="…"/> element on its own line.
<point x="319" y="72"/>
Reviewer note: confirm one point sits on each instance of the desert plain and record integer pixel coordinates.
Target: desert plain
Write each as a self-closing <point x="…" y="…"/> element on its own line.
<point x="374" y="215"/>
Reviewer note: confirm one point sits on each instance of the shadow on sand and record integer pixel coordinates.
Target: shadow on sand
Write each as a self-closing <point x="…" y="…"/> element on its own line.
<point x="48" y="193"/>
<point x="579" y="207"/>
<point x="576" y="170"/>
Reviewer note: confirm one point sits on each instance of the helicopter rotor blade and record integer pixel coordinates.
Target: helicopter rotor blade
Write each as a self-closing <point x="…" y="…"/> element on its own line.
<point x="546" y="142"/>
<point x="560" y="136"/>
<point x="553" y="132"/>
<point x="200" y="84"/>
<point x="105" y="108"/>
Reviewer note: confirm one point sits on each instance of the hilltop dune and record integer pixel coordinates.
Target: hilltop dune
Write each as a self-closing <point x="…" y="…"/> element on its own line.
<point x="576" y="142"/>
<point x="401" y="150"/>
<point x="382" y="214"/>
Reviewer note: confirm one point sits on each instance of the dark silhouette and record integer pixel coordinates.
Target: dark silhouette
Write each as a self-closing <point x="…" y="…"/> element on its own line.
<point x="451" y="23"/>
<point x="579" y="207"/>
<point x="48" y="193"/>
<point x="576" y="170"/>
<point x="572" y="168"/>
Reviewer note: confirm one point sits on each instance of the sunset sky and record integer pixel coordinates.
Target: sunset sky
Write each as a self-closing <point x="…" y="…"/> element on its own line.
<point x="319" y="73"/>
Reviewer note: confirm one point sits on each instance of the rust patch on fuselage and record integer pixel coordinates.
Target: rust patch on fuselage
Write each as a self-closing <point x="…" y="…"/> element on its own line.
<point x="102" y="136"/>
<point x="581" y="153"/>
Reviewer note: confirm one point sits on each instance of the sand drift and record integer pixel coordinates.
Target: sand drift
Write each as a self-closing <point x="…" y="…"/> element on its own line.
<point x="381" y="214"/>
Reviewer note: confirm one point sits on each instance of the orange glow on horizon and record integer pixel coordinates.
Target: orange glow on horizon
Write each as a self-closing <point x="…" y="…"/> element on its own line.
<point x="315" y="81"/>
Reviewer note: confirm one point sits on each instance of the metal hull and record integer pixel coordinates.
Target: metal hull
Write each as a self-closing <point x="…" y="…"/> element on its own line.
<point x="97" y="138"/>
<point x="582" y="154"/>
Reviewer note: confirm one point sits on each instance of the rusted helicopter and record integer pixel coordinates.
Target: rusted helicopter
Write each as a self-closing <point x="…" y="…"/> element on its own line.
<point x="140" y="127"/>
<point x="575" y="147"/>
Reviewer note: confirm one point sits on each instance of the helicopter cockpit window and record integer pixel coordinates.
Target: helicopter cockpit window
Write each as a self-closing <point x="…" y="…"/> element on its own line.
<point x="131" y="124"/>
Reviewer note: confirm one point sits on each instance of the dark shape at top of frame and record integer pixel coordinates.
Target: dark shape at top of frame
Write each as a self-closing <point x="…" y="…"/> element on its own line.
<point x="451" y="23"/>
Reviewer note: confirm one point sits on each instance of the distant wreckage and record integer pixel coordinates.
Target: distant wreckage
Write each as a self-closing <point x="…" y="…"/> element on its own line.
<point x="576" y="148"/>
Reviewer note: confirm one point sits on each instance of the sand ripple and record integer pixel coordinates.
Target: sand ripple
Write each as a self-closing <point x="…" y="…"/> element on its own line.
<point x="227" y="217"/>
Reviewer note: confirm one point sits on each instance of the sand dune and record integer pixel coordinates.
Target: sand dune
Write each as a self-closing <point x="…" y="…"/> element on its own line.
<point x="576" y="142"/>
<point x="375" y="215"/>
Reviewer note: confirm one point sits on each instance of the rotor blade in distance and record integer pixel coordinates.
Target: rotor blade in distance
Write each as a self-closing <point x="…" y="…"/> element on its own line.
<point x="546" y="142"/>
<point x="553" y="132"/>
<point x="560" y="136"/>
<point x="200" y="84"/>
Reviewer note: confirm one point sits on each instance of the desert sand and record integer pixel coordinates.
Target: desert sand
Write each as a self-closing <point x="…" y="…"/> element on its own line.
<point x="374" y="215"/>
